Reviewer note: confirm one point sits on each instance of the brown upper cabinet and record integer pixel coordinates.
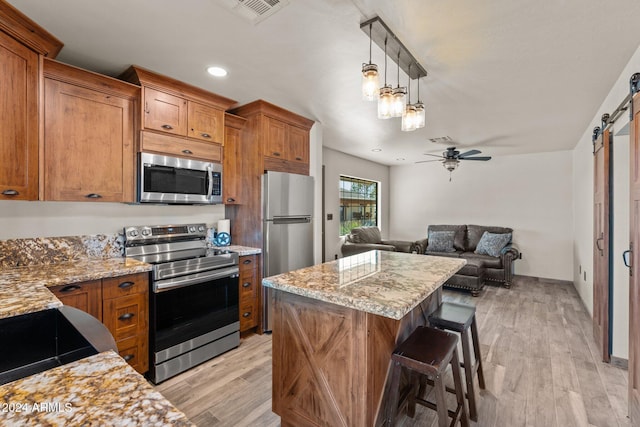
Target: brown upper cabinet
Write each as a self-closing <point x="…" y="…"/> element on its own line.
<point x="282" y="136"/>
<point x="89" y="135"/>
<point x="233" y="173"/>
<point x="187" y="115"/>
<point x="22" y="42"/>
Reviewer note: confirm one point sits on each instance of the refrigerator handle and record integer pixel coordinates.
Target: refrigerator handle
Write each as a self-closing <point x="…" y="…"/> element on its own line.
<point x="291" y="219"/>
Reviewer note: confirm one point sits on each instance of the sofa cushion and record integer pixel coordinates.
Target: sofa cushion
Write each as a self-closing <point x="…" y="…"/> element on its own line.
<point x="475" y="232"/>
<point x="488" y="260"/>
<point x="492" y="243"/>
<point x="366" y="235"/>
<point x="440" y="241"/>
<point x="459" y="236"/>
<point x="455" y="254"/>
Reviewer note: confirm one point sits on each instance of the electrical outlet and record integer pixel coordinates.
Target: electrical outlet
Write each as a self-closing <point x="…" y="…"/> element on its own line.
<point x="329" y="217"/>
<point x="336" y="256"/>
<point x="520" y="255"/>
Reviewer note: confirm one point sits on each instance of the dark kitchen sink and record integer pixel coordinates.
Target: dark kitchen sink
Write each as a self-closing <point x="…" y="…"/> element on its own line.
<point x="36" y="342"/>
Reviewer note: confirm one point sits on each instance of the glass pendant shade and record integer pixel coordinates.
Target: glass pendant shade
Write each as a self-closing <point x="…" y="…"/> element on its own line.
<point x="399" y="101"/>
<point x="420" y="115"/>
<point x="370" y="84"/>
<point x="409" y="118"/>
<point x="450" y="164"/>
<point x="385" y="102"/>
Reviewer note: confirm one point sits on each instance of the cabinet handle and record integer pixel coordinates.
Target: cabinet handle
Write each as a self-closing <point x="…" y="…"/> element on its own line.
<point x="125" y="285"/>
<point x="205" y="135"/>
<point x="127" y="357"/>
<point x="70" y="288"/>
<point x="246" y="261"/>
<point x="231" y="199"/>
<point x="167" y="127"/>
<point x="246" y="284"/>
<point x="146" y="107"/>
<point x="10" y="193"/>
<point x="187" y="151"/>
<point x="126" y="316"/>
<point x="299" y="159"/>
<point x="247" y="314"/>
<point x="275" y="153"/>
<point x="93" y="196"/>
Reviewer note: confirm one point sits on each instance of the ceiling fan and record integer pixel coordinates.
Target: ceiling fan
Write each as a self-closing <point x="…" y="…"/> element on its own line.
<point x="451" y="158"/>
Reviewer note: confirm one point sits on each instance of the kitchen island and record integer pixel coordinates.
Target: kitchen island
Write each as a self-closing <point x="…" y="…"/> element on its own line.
<point x="335" y="327"/>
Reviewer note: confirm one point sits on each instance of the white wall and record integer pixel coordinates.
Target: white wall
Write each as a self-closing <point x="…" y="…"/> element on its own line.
<point x="583" y="186"/>
<point x="530" y="193"/>
<point x="336" y="164"/>
<point x="19" y="219"/>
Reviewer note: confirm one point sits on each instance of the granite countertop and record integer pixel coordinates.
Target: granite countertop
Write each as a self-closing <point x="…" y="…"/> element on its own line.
<point x="24" y="289"/>
<point x="98" y="390"/>
<point x="244" y="250"/>
<point x="389" y="284"/>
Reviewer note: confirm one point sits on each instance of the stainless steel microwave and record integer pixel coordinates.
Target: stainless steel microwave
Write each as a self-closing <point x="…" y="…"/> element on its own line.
<point x="174" y="180"/>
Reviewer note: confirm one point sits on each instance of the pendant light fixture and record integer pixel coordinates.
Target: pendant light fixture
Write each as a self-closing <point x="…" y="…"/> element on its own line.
<point x="409" y="112"/>
<point x="399" y="96"/>
<point x="386" y="93"/>
<point x="370" y="83"/>
<point x="420" y="113"/>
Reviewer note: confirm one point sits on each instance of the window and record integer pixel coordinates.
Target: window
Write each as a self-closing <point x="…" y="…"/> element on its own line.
<point x="358" y="203"/>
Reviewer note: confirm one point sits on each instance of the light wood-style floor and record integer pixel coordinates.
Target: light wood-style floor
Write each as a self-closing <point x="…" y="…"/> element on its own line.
<point x="540" y="362"/>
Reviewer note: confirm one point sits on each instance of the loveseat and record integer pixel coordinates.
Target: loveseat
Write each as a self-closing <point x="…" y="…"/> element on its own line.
<point x="489" y="256"/>
<point x="363" y="239"/>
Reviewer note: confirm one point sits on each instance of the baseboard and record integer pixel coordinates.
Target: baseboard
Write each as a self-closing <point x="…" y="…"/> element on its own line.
<point x="620" y="363"/>
<point x="544" y="279"/>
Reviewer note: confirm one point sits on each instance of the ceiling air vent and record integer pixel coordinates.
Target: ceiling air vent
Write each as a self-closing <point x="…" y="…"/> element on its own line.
<point x="254" y="11"/>
<point x="441" y="140"/>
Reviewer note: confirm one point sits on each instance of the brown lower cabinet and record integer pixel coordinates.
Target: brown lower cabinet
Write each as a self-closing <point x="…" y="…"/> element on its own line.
<point x="122" y="304"/>
<point x="250" y="288"/>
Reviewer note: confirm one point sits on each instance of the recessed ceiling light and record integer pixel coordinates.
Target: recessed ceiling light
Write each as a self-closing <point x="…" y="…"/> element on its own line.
<point x="376" y="150"/>
<point x="217" y="71"/>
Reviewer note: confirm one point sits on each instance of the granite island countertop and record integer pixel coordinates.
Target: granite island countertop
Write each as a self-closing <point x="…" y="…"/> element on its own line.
<point x="389" y="284"/>
<point x="24" y="289"/>
<point x="243" y="250"/>
<point x="98" y="390"/>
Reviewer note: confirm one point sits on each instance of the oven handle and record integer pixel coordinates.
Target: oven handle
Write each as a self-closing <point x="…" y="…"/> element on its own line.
<point x="194" y="279"/>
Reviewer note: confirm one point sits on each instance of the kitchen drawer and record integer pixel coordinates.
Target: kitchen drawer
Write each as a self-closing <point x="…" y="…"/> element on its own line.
<point x="86" y="296"/>
<point x="126" y="316"/>
<point x="115" y="287"/>
<point x="248" y="284"/>
<point x="135" y="351"/>
<point x="248" y="316"/>
<point x="181" y="147"/>
<point x="248" y="262"/>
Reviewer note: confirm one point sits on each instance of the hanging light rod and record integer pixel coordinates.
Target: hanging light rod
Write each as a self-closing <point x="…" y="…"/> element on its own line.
<point x="379" y="32"/>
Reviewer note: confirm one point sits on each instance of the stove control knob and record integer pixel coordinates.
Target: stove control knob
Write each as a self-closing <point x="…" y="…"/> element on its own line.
<point x="133" y="233"/>
<point x="201" y="228"/>
<point x="192" y="229"/>
<point x="146" y="232"/>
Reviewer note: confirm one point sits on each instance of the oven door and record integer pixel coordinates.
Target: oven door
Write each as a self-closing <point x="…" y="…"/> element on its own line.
<point x="173" y="180"/>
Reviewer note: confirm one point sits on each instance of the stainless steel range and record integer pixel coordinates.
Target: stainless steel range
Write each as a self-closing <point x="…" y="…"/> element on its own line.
<point x="194" y="313"/>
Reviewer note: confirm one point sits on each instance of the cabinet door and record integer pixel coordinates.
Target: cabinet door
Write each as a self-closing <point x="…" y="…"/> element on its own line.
<point x="180" y="147"/>
<point x="88" y="140"/>
<point x="232" y="168"/>
<point x="86" y="296"/>
<point x="205" y="123"/>
<point x="126" y="317"/>
<point x="275" y="142"/>
<point x="164" y="112"/>
<point x="298" y="145"/>
<point x="18" y="121"/>
<point x="135" y="351"/>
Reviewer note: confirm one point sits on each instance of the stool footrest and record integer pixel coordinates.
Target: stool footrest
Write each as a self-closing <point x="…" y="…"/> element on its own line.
<point x="453" y="414"/>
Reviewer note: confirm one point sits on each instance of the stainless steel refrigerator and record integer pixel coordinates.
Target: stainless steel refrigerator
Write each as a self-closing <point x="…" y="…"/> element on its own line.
<point x="287" y="228"/>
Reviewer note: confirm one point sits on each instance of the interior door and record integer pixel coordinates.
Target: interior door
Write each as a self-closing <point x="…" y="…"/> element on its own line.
<point x="634" y="284"/>
<point x="601" y="243"/>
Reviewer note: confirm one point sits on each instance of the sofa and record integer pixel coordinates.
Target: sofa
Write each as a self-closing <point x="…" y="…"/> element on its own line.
<point x="489" y="252"/>
<point x="363" y="239"/>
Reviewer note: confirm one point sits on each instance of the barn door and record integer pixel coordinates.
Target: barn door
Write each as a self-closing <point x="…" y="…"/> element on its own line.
<point x="602" y="145"/>
<point x="634" y="273"/>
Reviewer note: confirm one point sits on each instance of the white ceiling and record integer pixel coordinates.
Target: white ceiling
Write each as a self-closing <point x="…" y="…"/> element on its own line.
<point x="505" y="76"/>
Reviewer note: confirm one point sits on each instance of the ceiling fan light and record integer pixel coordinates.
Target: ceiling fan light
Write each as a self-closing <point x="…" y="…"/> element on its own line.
<point x="420" y="115"/>
<point x="409" y="119"/>
<point x="399" y="101"/>
<point x="370" y="83"/>
<point x="450" y="164"/>
<point x="384" y="102"/>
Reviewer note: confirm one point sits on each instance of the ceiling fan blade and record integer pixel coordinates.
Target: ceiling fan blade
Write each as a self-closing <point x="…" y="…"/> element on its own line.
<point x="482" y="158"/>
<point x="434" y="155"/>
<point x="427" y="161"/>
<point x="470" y="153"/>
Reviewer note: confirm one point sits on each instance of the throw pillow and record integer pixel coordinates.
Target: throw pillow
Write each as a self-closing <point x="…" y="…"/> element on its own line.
<point x="491" y="243"/>
<point x="440" y="241"/>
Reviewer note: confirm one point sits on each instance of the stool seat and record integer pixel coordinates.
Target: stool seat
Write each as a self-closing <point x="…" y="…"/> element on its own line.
<point x="452" y="316"/>
<point x="426" y="348"/>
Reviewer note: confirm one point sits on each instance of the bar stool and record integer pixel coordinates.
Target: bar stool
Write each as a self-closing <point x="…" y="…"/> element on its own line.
<point x="459" y="318"/>
<point x="426" y="353"/>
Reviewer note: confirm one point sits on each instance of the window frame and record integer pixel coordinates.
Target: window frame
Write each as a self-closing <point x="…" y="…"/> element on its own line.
<point x="342" y="214"/>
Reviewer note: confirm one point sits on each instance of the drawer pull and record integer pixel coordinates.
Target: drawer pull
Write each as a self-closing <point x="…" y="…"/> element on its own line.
<point x="205" y="135"/>
<point x="246" y="314"/>
<point x="10" y="193"/>
<point x="126" y="316"/>
<point x="246" y="261"/>
<point x="128" y="357"/>
<point x="93" y="196"/>
<point x="275" y="153"/>
<point x="246" y="284"/>
<point x="70" y="288"/>
<point x="125" y="285"/>
<point x="231" y="199"/>
<point x="167" y="127"/>
<point x="299" y="159"/>
<point x="187" y="151"/>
